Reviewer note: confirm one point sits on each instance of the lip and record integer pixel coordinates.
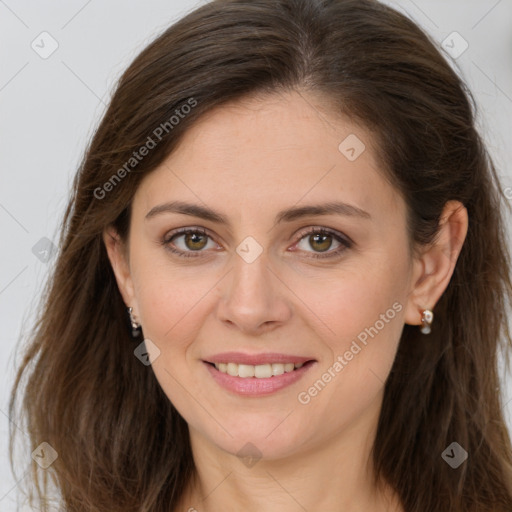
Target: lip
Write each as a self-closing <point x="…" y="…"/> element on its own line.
<point x="254" y="387"/>
<point x="256" y="359"/>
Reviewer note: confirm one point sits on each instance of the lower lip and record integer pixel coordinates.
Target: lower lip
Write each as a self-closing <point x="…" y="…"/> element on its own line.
<point x="252" y="386"/>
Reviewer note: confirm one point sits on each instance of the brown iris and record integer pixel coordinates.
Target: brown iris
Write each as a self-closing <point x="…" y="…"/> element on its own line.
<point x="195" y="241"/>
<point x="324" y="241"/>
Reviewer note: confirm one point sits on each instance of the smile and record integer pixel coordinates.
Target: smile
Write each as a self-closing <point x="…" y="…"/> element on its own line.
<point x="260" y="371"/>
<point x="257" y="380"/>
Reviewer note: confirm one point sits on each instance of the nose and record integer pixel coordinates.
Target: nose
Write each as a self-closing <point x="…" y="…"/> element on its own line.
<point x="253" y="297"/>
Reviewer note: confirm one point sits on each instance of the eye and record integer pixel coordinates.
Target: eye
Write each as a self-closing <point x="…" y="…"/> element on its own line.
<point x="321" y="240"/>
<point x="188" y="242"/>
<point x="192" y="242"/>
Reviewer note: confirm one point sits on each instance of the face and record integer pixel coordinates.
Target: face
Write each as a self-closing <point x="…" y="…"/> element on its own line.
<point x="293" y="250"/>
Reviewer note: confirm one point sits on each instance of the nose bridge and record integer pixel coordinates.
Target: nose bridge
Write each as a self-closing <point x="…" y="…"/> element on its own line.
<point x="253" y="297"/>
<point x="251" y="284"/>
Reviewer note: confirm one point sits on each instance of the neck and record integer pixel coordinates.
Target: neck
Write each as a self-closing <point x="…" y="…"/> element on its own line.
<point x="334" y="474"/>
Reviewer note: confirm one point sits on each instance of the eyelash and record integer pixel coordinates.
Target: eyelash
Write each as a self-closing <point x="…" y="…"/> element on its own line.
<point x="345" y="242"/>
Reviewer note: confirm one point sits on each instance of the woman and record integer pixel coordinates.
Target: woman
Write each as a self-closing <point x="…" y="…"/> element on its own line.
<point x="282" y="278"/>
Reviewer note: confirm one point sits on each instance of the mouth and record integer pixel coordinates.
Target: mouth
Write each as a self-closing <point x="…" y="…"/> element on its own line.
<point x="259" y="379"/>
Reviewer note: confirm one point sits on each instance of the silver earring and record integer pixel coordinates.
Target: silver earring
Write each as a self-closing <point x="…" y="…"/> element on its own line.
<point x="136" y="328"/>
<point x="427" y="316"/>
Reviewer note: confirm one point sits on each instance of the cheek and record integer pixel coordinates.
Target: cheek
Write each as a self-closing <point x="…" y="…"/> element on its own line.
<point x="172" y="304"/>
<point x="349" y="303"/>
<point x="362" y="311"/>
<point x="166" y="307"/>
<point x="365" y="320"/>
<point x="171" y="300"/>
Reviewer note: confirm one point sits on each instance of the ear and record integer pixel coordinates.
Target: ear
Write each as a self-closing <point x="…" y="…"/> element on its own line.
<point x="118" y="256"/>
<point x="434" y="266"/>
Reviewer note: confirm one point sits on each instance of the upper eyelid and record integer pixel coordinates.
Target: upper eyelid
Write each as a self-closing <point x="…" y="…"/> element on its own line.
<point x="314" y="229"/>
<point x="183" y="231"/>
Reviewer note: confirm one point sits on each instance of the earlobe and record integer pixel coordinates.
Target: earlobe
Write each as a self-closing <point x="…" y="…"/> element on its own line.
<point x="434" y="268"/>
<point x="117" y="254"/>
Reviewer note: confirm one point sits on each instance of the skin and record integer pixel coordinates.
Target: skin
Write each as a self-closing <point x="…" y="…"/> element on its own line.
<point x="248" y="160"/>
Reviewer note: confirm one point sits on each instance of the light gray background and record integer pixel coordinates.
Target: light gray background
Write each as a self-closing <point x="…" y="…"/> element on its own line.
<point x="49" y="108"/>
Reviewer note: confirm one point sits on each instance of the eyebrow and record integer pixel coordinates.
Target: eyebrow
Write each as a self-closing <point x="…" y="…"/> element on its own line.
<point x="287" y="215"/>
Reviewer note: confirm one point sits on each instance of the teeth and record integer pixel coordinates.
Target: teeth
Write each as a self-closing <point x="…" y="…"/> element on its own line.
<point x="232" y="369"/>
<point x="277" y="369"/>
<point x="260" y="371"/>
<point x="246" y="370"/>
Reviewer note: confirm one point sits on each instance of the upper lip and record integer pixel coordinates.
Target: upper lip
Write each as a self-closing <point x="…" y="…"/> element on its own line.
<point x="256" y="359"/>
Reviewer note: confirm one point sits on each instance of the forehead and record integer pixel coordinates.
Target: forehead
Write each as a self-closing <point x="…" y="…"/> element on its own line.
<point x="271" y="152"/>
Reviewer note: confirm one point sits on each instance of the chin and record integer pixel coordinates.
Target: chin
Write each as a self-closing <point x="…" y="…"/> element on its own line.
<point x="257" y="442"/>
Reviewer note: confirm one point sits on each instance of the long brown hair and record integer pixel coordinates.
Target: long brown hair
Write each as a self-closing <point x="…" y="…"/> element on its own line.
<point x="121" y="444"/>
